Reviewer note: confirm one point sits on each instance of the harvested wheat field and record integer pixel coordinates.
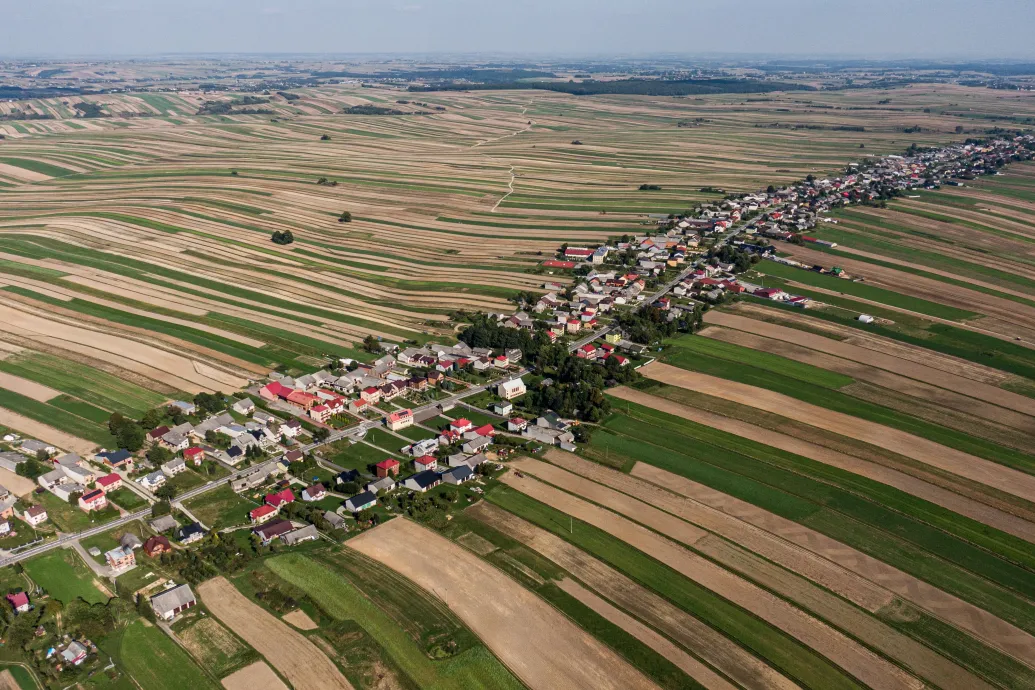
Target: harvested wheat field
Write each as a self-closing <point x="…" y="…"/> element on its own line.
<point x="29" y="389"/>
<point x="934" y="454"/>
<point x="295" y="657"/>
<point x="795" y="560"/>
<point x="300" y="619"/>
<point x="853" y="353"/>
<point x="840" y="649"/>
<point x="707" y="644"/>
<point x="257" y="676"/>
<point x="886" y="475"/>
<point x="19" y="486"/>
<point x="539" y="645"/>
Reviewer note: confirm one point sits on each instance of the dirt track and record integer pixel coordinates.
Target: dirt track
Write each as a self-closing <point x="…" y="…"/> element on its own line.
<point x="710" y="645"/>
<point x="977" y="469"/>
<point x="297" y="659"/>
<point x="841" y="650"/>
<point x="949" y="608"/>
<point x="785" y="581"/>
<point x="960" y="384"/>
<point x="539" y="645"/>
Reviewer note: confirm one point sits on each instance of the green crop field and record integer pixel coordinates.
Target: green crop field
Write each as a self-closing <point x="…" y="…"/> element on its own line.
<point x="156" y="662"/>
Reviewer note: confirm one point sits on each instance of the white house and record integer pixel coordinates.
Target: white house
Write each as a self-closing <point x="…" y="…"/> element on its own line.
<point x="508" y="390"/>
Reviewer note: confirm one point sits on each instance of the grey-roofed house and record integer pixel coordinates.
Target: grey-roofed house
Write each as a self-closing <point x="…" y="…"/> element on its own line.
<point x="263" y="417"/>
<point x="212" y="423"/>
<point x="307" y="533"/>
<point x="130" y="541"/>
<point x="359" y="502"/>
<point x="381" y="485"/>
<point x="10" y="460"/>
<point x="457" y="475"/>
<point x="163" y="524"/>
<point x="174" y="440"/>
<point x="32" y="446"/>
<point x="153" y="480"/>
<point x="190" y="533"/>
<point x="422" y="481"/>
<point x="174" y="467"/>
<point x="172" y="602"/>
<point x="245" y="406"/>
<point x="336" y="521"/>
<point x="477" y="444"/>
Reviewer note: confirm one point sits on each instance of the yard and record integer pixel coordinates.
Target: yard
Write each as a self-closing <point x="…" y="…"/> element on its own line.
<point x="220" y="508"/>
<point x="69" y="518"/>
<point x="64" y="576"/>
<point x="110" y="539"/>
<point x="126" y="499"/>
<point x="185" y="481"/>
<point x="358" y="456"/>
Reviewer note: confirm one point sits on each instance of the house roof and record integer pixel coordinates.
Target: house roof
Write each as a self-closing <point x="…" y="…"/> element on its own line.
<point x="361" y="499"/>
<point x="93" y="495"/>
<point x="172" y="599"/>
<point x="424" y="479"/>
<point x="284" y="496"/>
<point x="36" y="511"/>
<point x="426" y="460"/>
<point x="301" y="534"/>
<point x="388" y="464"/>
<point x="190" y="530"/>
<point x="273" y="529"/>
<point x="194" y="451"/>
<point x="485" y="430"/>
<point x="108" y="480"/>
<point x="315" y="489"/>
<point x="261" y="511"/>
<point x="400" y="415"/>
<point x="152" y="543"/>
<point x="18" y="599"/>
<point x="461" y="472"/>
<point x="164" y="523"/>
<point x="458" y="423"/>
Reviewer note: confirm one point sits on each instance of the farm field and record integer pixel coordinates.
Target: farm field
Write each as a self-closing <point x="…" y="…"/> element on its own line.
<point x="64" y="576"/>
<point x="156" y="662"/>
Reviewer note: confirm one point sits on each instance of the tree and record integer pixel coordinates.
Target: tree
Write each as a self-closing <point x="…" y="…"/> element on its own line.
<point x="153" y="417"/>
<point x="161" y="508"/>
<point x="31" y="469"/>
<point x="166" y="492"/>
<point x="372" y="344"/>
<point x="73" y="498"/>
<point x="325" y="137"/>
<point x="159" y="454"/>
<point x="144" y="608"/>
<point x="321" y="434"/>
<point x="286" y="237"/>
<point x="345" y="217"/>
<point x="128" y="434"/>
<point x="42" y="455"/>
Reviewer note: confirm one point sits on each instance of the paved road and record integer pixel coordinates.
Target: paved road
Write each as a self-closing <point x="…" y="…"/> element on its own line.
<point x="336" y="436"/>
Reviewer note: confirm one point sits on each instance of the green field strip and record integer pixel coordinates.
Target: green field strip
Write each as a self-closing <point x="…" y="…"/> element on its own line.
<point x="155" y="661"/>
<point x="37" y="166"/>
<point x="80" y="409"/>
<point x="56" y="417"/>
<point x="756" y="473"/>
<point x="775" y="647"/>
<point x="736" y="365"/>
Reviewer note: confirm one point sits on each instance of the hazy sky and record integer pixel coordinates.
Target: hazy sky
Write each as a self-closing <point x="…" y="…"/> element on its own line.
<point x="966" y="28"/>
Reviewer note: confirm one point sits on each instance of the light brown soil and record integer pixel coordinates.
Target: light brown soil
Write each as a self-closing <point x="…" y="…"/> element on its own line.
<point x="913" y="370"/>
<point x="257" y="676"/>
<point x="539" y="645"/>
<point x="965" y="616"/>
<point x="19" y="486"/>
<point x="22" y="173"/>
<point x="843" y="651"/>
<point x="710" y="645"/>
<point x="850" y="586"/>
<point x="31" y="389"/>
<point x="965" y="465"/>
<point x="686" y="663"/>
<point x="297" y="659"/>
<point x="34" y="429"/>
<point x="300" y="619"/>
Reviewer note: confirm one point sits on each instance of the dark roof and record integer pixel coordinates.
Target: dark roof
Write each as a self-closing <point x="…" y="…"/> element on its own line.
<point x="424" y="479"/>
<point x="234" y="451"/>
<point x="362" y="499"/>
<point x="151" y="543"/>
<point x="461" y="472"/>
<point x="190" y="530"/>
<point x="347" y="476"/>
<point x="273" y="529"/>
<point x="116" y="456"/>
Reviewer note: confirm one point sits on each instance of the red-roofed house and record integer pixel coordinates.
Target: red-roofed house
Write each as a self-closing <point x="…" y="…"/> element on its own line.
<point x="371" y="395"/>
<point x="320" y="413"/>
<point x="280" y="498"/>
<point x="517" y="424"/>
<point x="448" y="437"/>
<point x="274" y="390"/>
<point x="110" y="482"/>
<point x="302" y="399"/>
<point x="156" y="546"/>
<point x="262" y="514"/>
<point x="19" y="601"/>
<point x="315" y="492"/>
<point x="194" y="455"/>
<point x="425" y="462"/>
<point x="357" y="406"/>
<point x="587" y="351"/>
<point x="485" y="430"/>
<point x="387" y="467"/>
<point x="93" y="500"/>
<point x="400" y="419"/>
<point x="461" y="425"/>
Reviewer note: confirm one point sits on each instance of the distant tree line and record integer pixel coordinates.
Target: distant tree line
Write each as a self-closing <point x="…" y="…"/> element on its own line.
<point x="639" y="87"/>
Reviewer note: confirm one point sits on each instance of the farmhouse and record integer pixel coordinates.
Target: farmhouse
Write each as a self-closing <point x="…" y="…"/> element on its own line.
<point x="262" y="514"/>
<point x="190" y="533"/>
<point x="75" y="653"/>
<point x="315" y="492"/>
<point x="156" y="546"/>
<point x="478" y="444"/>
<point x="195" y="454"/>
<point x="35" y="515"/>
<point x="163" y="524"/>
<point x="245" y="406"/>
<point x="280" y="498"/>
<point x="381" y="485"/>
<point x="271" y="531"/>
<point x="334" y="520"/>
<point x="359" y="502"/>
<point x="388" y="467"/>
<point x="461" y="425"/>
<point x="130" y="541"/>
<point x="19" y="601"/>
<point x="172" y="602"/>
<point x="93" y="500"/>
<point x="307" y="533"/>
<point x="110" y="482"/>
<point x="425" y="462"/>
<point x="174" y="467"/>
<point x="457" y="475"/>
<point x="422" y="481"/>
<point x="118" y="459"/>
<point x="120" y="558"/>
<point x="152" y="481"/>
<point x="31" y="447"/>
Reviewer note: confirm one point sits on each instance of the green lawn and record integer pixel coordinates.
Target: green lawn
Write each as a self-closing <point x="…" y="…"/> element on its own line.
<point x="69" y="518"/>
<point x="157" y="663"/>
<point x="126" y="499"/>
<point x="185" y="481"/>
<point x="220" y="508"/>
<point x="357" y="456"/>
<point x="415" y="433"/>
<point x="472" y="669"/>
<point x="63" y="574"/>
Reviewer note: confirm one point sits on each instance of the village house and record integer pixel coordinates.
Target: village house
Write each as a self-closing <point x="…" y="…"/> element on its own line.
<point x="262" y="514"/>
<point x="362" y="501"/>
<point x="190" y="533"/>
<point x="400" y="419"/>
<point x="302" y="534"/>
<point x="174" y="467"/>
<point x="457" y="475"/>
<point x="316" y="492"/>
<point x="502" y="408"/>
<point x="35" y="515"/>
<point x="461" y="425"/>
<point x="156" y="546"/>
<point x="380" y="485"/>
<point x="280" y="498"/>
<point x="245" y="406"/>
<point x="116" y="459"/>
<point x="164" y="523"/>
<point x="422" y="481"/>
<point x="425" y="462"/>
<point x="32" y="447"/>
<point x="334" y="520"/>
<point x="478" y="444"/>
<point x="7" y="507"/>
<point x="93" y="500"/>
<point x="152" y="481"/>
<point x="130" y="541"/>
<point x="120" y="558"/>
<point x="173" y="601"/>
<point x="195" y="455"/>
<point x="75" y="653"/>
<point x="516" y="424"/>
<point x="508" y="390"/>
<point x="19" y="601"/>
<point x="387" y="467"/>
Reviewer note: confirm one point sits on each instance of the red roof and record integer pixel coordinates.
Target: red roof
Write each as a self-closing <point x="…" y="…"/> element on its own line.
<point x="400" y="415"/>
<point x="388" y="464"/>
<point x="261" y="511"/>
<point x="518" y="421"/>
<point x="460" y="423"/>
<point x="278" y="389"/>
<point x="588" y="347"/>
<point x="766" y="292"/>
<point x="109" y="479"/>
<point x="485" y="430"/>
<point x="577" y="251"/>
<point x="426" y="460"/>
<point x="190" y="452"/>
<point x="370" y="391"/>
<point x="280" y="497"/>
<point x="301" y="397"/>
<point x="18" y="599"/>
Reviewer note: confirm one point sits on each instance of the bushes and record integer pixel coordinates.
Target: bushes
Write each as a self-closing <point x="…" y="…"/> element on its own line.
<point x="286" y="237"/>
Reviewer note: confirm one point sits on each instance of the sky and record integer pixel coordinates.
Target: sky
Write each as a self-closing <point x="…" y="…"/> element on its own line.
<point x="850" y="28"/>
